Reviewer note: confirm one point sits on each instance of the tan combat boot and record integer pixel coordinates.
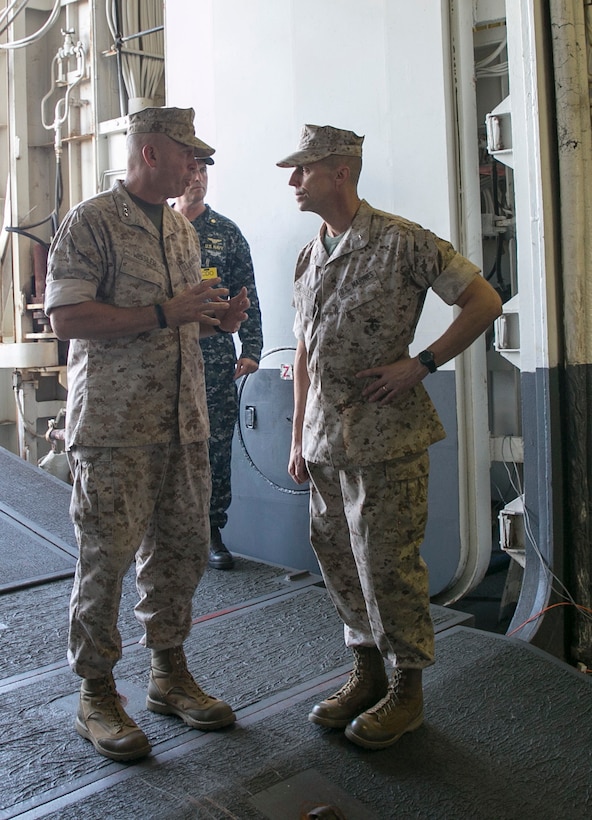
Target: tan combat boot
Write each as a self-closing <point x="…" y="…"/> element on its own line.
<point x="400" y="711"/>
<point x="366" y="685"/>
<point x="172" y="691"/>
<point x="102" y="719"/>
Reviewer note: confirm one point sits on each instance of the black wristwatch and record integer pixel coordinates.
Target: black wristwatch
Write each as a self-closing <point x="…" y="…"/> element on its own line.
<point x="426" y="358"/>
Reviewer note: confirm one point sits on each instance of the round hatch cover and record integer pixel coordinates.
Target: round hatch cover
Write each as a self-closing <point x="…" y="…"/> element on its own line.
<point x="266" y="405"/>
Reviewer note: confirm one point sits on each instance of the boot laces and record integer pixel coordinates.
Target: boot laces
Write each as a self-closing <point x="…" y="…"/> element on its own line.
<point x="392" y="698"/>
<point x="108" y="703"/>
<point x="357" y="676"/>
<point x="179" y="664"/>
<point x="114" y="712"/>
<point x="348" y="687"/>
<point x="185" y="682"/>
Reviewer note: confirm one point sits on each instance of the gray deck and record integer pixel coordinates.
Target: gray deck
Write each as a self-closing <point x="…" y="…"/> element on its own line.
<point x="508" y="731"/>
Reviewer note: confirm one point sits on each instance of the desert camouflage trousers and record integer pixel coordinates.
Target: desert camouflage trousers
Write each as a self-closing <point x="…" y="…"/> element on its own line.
<point x="149" y="503"/>
<point x="367" y="527"/>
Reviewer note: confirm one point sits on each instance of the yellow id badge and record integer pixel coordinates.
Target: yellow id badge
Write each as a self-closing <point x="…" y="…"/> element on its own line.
<point x="209" y="273"/>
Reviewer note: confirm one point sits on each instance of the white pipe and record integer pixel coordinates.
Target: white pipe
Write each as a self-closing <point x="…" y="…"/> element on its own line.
<point x="473" y="430"/>
<point x="33" y="38"/>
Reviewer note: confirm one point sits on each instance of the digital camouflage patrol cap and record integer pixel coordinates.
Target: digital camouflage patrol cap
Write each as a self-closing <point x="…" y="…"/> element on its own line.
<point x="176" y="123"/>
<point x="320" y="141"/>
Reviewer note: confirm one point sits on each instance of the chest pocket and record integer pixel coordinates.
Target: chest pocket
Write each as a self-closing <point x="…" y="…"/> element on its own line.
<point x="139" y="283"/>
<point x="364" y="295"/>
<point x="304" y="300"/>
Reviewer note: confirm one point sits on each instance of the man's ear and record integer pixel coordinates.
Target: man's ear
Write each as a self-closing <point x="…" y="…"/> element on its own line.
<point x="342" y="175"/>
<point x="149" y="154"/>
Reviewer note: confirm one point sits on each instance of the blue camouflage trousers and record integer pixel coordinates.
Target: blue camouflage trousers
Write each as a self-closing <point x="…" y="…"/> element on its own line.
<point x="149" y="503"/>
<point x="367" y="527"/>
<point x="221" y="395"/>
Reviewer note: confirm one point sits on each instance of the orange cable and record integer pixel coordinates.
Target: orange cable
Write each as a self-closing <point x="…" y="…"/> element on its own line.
<point x="546" y="609"/>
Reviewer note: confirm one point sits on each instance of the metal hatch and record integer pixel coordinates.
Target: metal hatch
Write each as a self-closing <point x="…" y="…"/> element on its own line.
<point x="268" y="518"/>
<point x="266" y="403"/>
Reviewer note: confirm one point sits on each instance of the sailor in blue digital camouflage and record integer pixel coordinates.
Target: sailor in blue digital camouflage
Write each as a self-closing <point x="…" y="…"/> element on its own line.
<point x="363" y="422"/>
<point x="124" y="287"/>
<point x="225" y="254"/>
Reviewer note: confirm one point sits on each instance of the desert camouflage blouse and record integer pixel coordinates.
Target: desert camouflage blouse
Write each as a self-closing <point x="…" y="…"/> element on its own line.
<point x="358" y="309"/>
<point x="140" y="389"/>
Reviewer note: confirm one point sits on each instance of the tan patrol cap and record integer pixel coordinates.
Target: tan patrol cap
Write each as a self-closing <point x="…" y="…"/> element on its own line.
<point x="176" y="123"/>
<point x="320" y="141"/>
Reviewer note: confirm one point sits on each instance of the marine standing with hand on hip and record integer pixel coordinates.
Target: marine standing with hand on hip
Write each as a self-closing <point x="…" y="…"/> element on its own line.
<point x="363" y="422"/>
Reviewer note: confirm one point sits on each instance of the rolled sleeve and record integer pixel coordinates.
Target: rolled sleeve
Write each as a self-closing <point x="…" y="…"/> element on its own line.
<point x="455" y="278"/>
<point x="61" y="292"/>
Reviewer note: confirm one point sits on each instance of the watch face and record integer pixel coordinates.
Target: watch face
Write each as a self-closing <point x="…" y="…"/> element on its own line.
<point x="426" y="357"/>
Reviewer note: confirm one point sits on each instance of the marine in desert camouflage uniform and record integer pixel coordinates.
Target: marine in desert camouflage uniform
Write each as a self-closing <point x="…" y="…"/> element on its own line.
<point x="363" y="422"/>
<point x="124" y="286"/>
<point x="225" y="254"/>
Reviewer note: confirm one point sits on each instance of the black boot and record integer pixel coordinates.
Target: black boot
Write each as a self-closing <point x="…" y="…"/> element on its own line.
<point x="220" y="557"/>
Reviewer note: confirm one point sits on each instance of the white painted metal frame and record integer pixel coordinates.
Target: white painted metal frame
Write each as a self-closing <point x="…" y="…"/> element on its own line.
<point x="471" y="368"/>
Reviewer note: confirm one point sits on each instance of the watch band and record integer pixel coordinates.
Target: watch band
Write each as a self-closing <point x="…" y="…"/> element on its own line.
<point x="162" y="322"/>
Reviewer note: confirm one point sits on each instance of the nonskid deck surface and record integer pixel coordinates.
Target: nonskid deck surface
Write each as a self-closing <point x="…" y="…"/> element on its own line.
<point x="508" y="730"/>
